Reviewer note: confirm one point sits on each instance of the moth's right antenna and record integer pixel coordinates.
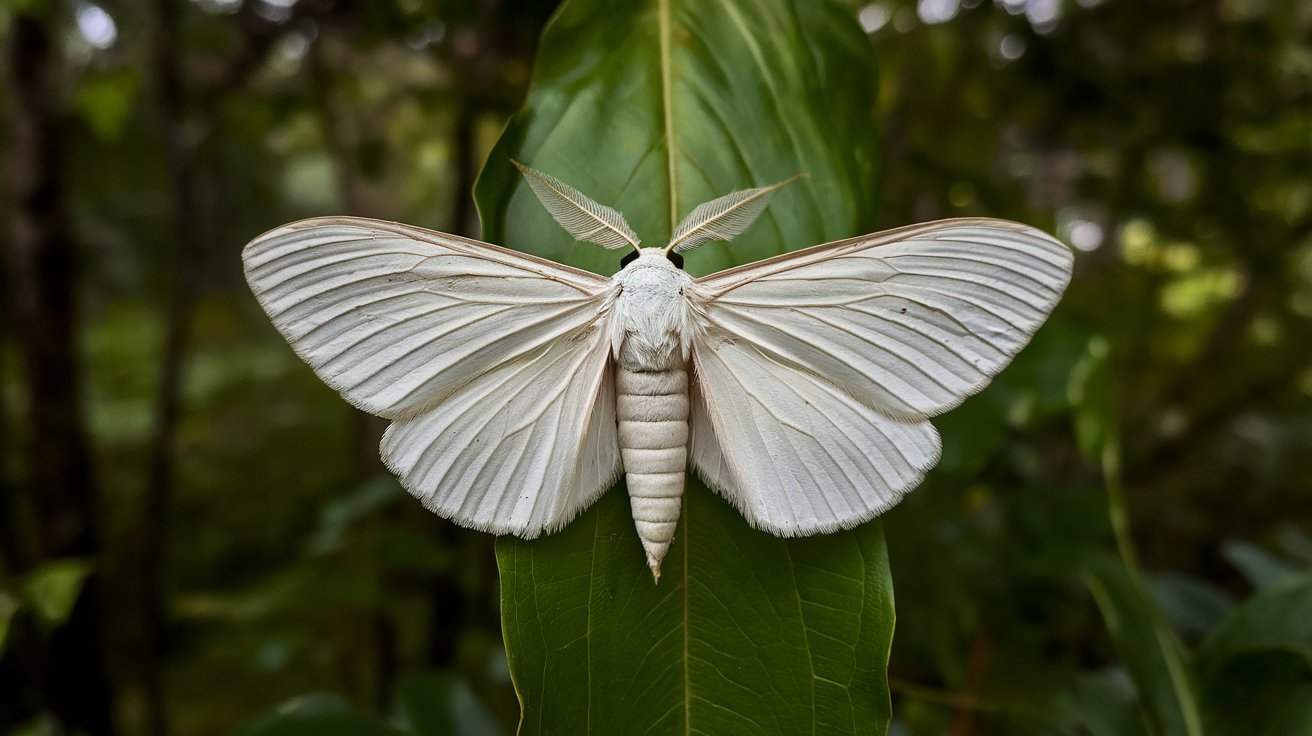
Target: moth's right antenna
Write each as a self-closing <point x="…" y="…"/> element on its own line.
<point x="581" y="217"/>
<point x="723" y="218"/>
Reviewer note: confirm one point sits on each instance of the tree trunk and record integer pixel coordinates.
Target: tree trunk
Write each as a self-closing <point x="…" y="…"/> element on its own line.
<point x="42" y="266"/>
<point x="184" y="275"/>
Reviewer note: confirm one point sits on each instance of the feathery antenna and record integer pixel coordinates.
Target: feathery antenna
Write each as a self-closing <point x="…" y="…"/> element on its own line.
<point x="583" y="218"/>
<point x="723" y="218"/>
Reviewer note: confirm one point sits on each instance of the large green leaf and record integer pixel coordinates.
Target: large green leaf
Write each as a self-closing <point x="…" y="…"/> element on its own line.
<point x="654" y="107"/>
<point x="757" y="92"/>
<point x="745" y="633"/>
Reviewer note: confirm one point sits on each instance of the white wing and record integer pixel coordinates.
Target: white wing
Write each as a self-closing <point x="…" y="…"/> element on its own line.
<point x="397" y="317"/>
<point x="796" y="454"/>
<point x="493" y="363"/>
<point x="911" y="321"/>
<point x="816" y="370"/>
<point x="521" y="449"/>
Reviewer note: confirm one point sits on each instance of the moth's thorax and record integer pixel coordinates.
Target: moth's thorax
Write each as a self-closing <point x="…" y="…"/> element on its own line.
<point x="653" y="315"/>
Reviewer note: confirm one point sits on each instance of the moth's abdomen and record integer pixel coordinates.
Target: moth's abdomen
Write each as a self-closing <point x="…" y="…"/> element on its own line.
<point x="653" y="422"/>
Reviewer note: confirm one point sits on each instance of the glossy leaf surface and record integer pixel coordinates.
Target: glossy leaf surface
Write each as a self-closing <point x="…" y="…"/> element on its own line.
<point x="651" y="108"/>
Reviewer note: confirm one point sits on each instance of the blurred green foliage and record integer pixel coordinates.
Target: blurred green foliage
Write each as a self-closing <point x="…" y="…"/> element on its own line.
<point x="1116" y="540"/>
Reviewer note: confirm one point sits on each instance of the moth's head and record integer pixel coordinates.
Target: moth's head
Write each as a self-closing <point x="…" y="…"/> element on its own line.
<point x="652" y="257"/>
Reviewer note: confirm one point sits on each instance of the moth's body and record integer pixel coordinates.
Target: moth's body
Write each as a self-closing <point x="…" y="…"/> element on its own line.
<point x="652" y="327"/>
<point x="799" y="387"/>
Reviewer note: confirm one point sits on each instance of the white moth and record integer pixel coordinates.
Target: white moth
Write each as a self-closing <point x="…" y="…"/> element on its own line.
<point x="798" y="387"/>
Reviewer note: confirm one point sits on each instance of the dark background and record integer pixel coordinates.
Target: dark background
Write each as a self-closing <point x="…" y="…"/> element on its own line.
<point x="195" y="530"/>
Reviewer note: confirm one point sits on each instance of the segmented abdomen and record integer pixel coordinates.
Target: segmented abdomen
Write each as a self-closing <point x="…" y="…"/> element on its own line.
<point x="653" y="428"/>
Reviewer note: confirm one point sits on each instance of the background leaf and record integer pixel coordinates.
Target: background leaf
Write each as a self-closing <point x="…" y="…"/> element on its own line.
<point x="442" y="704"/>
<point x="54" y="587"/>
<point x="105" y="102"/>
<point x="1257" y="566"/>
<point x="1256" y="668"/>
<point x="1193" y="606"/>
<point x="8" y="607"/>
<point x="652" y="108"/>
<point x="1153" y="655"/>
<point x="1276" y="620"/>
<point x="320" y="714"/>
<point x="1098" y="704"/>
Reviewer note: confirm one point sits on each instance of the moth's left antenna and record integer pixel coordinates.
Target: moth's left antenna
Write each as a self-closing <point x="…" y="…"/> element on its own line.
<point x="581" y="217"/>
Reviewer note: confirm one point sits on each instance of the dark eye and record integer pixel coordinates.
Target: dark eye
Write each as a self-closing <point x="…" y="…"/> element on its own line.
<point x="677" y="260"/>
<point x="626" y="260"/>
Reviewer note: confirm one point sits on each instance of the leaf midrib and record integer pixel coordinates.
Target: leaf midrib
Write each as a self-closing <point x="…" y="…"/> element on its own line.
<point x="667" y="98"/>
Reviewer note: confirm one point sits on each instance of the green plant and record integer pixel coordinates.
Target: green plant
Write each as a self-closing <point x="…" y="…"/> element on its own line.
<point x="654" y="107"/>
